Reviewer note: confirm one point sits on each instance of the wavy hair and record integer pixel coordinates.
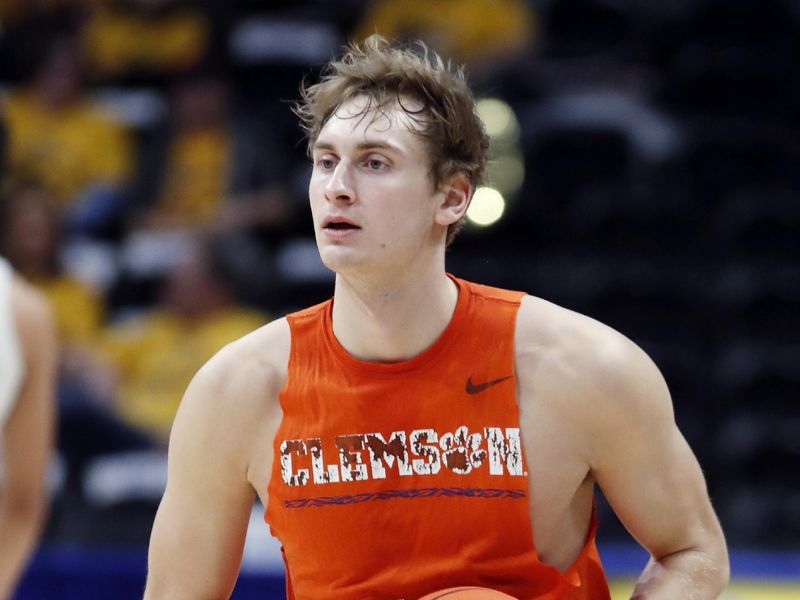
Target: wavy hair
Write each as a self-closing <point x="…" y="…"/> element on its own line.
<point x="442" y="110"/>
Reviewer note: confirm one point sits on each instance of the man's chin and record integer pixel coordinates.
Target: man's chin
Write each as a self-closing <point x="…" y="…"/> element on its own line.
<point x="339" y="259"/>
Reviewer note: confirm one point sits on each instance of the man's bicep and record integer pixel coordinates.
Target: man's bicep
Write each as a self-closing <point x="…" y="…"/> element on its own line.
<point x="647" y="470"/>
<point x="199" y="530"/>
<point x="660" y="496"/>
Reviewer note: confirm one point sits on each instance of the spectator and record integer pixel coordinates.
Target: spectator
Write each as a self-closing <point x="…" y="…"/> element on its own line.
<point x="198" y="156"/>
<point x="59" y="138"/>
<point x="30" y="239"/>
<point x="144" y="39"/>
<point x="480" y="33"/>
<point x="157" y="354"/>
<point x="197" y="190"/>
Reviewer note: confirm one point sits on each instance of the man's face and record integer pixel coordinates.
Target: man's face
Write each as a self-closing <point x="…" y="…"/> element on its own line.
<point x="372" y="198"/>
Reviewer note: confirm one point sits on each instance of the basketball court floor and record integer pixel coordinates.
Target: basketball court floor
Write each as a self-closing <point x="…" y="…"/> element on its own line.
<point x="738" y="590"/>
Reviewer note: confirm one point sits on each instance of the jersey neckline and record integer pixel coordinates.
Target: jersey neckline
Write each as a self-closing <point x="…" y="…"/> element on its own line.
<point x="427" y="356"/>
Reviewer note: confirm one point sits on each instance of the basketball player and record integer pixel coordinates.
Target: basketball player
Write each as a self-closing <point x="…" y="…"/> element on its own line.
<point x="420" y="432"/>
<point x="27" y="382"/>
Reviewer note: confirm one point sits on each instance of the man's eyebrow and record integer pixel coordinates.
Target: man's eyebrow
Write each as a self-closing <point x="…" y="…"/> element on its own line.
<point x="365" y="145"/>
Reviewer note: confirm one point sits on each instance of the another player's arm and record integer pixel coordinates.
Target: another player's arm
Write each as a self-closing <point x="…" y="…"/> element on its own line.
<point x="199" y="530"/>
<point x="650" y="475"/>
<point x="27" y="437"/>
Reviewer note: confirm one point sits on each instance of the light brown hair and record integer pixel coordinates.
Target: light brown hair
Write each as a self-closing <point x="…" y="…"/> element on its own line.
<point x="443" y="113"/>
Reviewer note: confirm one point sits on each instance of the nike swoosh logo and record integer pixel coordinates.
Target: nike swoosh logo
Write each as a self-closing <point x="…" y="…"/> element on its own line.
<point x="477" y="388"/>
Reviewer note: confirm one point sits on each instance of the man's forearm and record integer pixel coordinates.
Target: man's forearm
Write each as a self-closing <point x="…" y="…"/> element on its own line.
<point x="689" y="575"/>
<point x="19" y="529"/>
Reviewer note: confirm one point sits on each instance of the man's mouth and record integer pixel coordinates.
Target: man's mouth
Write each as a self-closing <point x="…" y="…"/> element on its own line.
<point x="339" y="226"/>
<point x="338" y="223"/>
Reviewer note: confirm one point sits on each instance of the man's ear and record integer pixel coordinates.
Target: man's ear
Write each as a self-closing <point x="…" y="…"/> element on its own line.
<point x="457" y="193"/>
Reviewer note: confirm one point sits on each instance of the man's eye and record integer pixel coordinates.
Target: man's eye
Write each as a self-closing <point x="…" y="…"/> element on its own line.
<point x="325" y="163"/>
<point x="375" y="164"/>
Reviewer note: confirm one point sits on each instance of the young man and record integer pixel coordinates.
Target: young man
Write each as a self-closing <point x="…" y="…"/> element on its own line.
<point x="27" y="383"/>
<point x="420" y="432"/>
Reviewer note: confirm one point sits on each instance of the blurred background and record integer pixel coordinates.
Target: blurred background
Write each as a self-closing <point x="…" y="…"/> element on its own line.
<point x="645" y="171"/>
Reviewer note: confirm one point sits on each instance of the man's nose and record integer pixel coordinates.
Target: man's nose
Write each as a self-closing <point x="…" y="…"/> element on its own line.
<point x="339" y="187"/>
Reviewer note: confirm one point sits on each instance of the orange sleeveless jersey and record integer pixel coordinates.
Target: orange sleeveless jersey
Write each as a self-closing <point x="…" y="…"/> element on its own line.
<point x="393" y="480"/>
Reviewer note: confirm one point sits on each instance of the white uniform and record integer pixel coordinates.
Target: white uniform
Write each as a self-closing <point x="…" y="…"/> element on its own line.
<point x="11" y="363"/>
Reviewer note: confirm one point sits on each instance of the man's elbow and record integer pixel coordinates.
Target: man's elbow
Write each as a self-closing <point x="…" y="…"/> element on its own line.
<point x="712" y="565"/>
<point x="700" y="570"/>
<point x="722" y="566"/>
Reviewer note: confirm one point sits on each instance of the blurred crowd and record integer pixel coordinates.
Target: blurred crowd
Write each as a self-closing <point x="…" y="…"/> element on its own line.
<point x="153" y="185"/>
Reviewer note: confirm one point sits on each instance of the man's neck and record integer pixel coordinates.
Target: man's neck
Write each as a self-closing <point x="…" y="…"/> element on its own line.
<point x="391" y="321"/>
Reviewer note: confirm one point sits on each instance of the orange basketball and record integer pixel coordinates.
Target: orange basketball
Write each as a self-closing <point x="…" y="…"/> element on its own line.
<point x="467" y="593"/>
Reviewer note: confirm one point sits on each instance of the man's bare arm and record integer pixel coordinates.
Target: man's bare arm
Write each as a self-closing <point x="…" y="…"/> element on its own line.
<point x="199" y="531"/>
<point x="652" y="479"/>
<point x="27" y="437"/>
<point x="220" y="453"/>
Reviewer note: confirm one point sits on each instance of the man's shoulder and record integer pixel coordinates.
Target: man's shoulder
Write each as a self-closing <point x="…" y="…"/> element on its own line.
<point x="234" y="394"/>
<point x="578" y="360"/>
<point x="253" y="365"/>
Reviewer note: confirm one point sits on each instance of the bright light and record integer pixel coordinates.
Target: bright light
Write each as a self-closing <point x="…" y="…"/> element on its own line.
<point x="487" y="206"/>
<point x="498" y="118"/>
<point x="507" y="173"/>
